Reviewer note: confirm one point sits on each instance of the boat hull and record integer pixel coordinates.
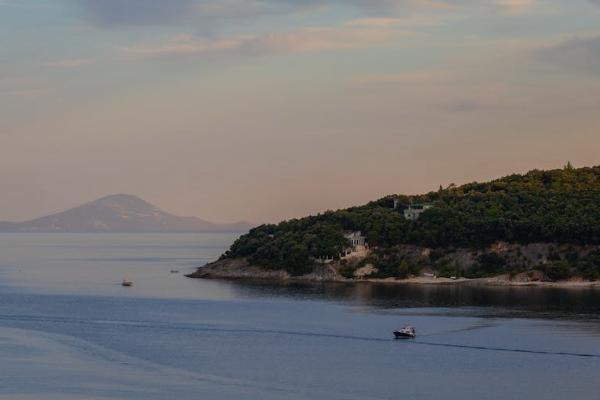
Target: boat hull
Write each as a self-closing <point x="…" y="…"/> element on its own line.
<point x="404" y="335"/>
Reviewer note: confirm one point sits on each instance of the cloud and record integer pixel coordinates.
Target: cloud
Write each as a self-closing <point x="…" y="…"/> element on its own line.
<point x="163" y="12"/>
<point x="378" y="22"/>
<point x="404" y="21"/>
<point x="22" y="4"/>
<point x="126" y="12"/>
<point x="300" y="41"/>
<point x="28" y="93"/>
<point x="71" y="63"/>
<point x="22" y="87"/>
<point x="515" y="6"/>
<point x="580" y="54"/>
<point x="413" y="77"/>
<point x="112" y="13"/>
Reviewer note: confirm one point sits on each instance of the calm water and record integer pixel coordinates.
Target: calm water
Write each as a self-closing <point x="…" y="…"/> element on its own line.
<point x="68" y="330"/>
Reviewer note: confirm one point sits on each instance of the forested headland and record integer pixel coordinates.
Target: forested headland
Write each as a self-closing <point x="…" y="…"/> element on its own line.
<point x="546" y="221"/>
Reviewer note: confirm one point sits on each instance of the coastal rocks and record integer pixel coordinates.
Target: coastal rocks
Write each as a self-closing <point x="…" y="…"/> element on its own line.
<point x="365" y="272"/>
<point x="531" y="276"/>
<point x="237" y="268"/>
<point x="523" y="278"/>
<point x="509" y="256"/>
<point x="322" y="273"/>
<point x="499" y="264"/>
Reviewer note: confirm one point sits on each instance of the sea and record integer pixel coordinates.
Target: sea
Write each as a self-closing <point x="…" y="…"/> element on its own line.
<point x="70" y="330"/>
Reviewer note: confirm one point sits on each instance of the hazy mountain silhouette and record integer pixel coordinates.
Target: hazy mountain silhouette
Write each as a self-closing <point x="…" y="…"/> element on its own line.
<point x="119" y="213"/>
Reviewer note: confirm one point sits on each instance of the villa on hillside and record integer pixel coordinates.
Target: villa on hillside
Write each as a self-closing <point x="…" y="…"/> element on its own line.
<point x="414" y="211"/>
<point x="357" y="243"/>
<point x="356" y="239"/>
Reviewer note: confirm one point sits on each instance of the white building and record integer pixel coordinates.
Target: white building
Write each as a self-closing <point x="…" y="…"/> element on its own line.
<point x="414" y="211"/>
<point x="357" y="243"/>
<point x="356" y="239"/>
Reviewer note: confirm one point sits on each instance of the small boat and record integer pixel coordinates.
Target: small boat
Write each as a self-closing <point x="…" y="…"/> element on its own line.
<point x="126" y="283"/>
<point x="174" y="271"/>
<point x="408" y="332"/>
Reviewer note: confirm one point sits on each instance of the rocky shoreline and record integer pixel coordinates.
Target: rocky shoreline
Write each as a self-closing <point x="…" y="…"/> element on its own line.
<point x="240" y="269"/>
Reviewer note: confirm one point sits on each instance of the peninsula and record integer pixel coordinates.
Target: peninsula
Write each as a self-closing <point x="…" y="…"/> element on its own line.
<point x="541" y="227"/>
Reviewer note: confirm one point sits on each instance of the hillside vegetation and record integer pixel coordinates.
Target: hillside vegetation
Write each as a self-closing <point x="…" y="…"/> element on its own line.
<point x="556" y="206"/>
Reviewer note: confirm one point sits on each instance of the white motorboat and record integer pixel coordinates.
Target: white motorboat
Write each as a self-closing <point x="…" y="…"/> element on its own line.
<point x="408" y="332"/>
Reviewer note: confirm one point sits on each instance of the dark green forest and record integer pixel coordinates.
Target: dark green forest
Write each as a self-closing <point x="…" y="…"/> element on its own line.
<point x="554" y="206"/>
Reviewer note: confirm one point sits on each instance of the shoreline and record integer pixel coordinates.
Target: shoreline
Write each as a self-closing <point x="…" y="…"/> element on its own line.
<point x="487" y="282"/>
<point x="423" y="281"/>
<point x="491" y="281"/>
<point x="240" y="270"/>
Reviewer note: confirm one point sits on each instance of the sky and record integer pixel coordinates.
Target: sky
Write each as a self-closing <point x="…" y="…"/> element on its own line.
<point x="263" y="110"/>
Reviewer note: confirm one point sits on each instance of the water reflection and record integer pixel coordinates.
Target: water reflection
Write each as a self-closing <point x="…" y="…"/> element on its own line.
<point x="544" y="302"/>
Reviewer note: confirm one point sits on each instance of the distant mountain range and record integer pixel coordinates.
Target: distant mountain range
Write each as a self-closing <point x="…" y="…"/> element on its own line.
<point x="119" y="213"/>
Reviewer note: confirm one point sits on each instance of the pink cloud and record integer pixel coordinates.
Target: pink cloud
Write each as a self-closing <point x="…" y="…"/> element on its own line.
<point x="303" y="40"/>
<point x="515" y="6"/>
<point x="71" y="63"/>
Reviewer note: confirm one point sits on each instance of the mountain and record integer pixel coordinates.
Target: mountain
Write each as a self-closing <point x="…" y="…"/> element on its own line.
<point x="119" y="213"/>
<point x="546" y="222"/>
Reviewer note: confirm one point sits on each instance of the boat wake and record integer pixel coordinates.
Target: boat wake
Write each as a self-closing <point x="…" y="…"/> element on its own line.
<point x="34" y="321"/>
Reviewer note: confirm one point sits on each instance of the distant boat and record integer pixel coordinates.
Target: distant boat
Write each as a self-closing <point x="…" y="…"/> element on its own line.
<point x="126" y="283"/>
<point x="408" y="332"/>
<point x="174" y="271"/>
